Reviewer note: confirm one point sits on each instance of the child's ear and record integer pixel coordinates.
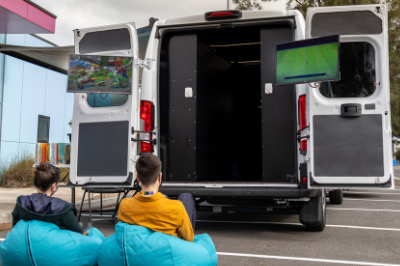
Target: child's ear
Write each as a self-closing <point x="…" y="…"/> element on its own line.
<point x="160" y="177"/>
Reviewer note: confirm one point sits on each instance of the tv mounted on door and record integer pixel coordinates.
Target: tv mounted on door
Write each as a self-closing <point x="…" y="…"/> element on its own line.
<point x="99" y="74"/>
<point x="306" y="61"/>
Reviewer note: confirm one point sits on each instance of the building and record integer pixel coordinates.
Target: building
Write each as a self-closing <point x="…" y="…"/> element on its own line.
<point x="28" y="91"/>
<point x="35" y="106"/>
<point x="31" y="94"/>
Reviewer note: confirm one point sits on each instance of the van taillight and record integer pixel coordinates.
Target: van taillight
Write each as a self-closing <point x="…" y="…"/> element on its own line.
<point x="146" y="124"/>
<point x="223" y="14"/>
<point x="302" y="120"/>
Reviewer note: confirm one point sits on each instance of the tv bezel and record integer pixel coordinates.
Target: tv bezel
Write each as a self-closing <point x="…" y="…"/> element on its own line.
<point x="305" y="82"/>
<point x="101" y="92"/>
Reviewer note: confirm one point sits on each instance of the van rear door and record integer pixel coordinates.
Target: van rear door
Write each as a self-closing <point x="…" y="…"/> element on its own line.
<point x="349" y="120"/>
<point x="103" y="125"/>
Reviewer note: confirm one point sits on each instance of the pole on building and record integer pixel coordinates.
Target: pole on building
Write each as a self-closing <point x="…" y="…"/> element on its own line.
<point x="227" y="4"/>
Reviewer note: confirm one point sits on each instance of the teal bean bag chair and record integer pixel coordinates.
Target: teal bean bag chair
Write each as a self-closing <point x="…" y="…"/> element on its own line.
<point x="37" y="243"/>
<point x="134" y="245"/>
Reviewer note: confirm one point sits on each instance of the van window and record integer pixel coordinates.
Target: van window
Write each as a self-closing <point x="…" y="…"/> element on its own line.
<point x="357" y="70"/>
<point x="105" y="100"/>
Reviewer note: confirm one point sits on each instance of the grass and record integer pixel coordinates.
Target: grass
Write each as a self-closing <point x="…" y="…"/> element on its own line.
<point x="18" y="172"/>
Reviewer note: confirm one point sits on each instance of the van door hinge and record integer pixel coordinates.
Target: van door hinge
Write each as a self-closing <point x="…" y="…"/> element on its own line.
<point x="147" y="63"/>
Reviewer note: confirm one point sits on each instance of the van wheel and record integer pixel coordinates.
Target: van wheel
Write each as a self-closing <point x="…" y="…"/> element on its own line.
<point x="313" y="213"/>
<point x="336" y="196"/>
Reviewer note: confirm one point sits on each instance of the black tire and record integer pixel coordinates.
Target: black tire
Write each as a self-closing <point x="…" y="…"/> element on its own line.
<point x="320" y="227"/>
<point x="336" y="196"/>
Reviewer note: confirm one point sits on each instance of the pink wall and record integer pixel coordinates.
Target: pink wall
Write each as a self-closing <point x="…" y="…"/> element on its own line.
<point x="31" y="13"/>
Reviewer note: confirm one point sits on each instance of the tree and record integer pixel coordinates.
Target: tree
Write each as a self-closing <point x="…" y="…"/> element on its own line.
<point x="247" y="4"/>
<point x="398" y="155"/>
<point x="394" y="39"/>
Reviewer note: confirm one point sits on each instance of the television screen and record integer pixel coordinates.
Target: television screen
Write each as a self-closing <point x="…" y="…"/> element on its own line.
<point x="100" y="74"/>
<point x="305" y="61"/>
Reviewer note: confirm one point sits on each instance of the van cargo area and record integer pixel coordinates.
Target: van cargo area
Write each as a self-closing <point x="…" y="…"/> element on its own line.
<point x="217" y="123"/>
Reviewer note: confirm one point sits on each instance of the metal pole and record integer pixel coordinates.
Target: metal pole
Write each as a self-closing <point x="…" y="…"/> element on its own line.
<point x="227" y="2"/>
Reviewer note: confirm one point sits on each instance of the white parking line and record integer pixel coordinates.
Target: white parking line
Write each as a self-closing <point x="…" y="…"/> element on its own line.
<point x="305" y="259"/>
<point x="361" y="209"/>
<point x="379" y="193"/>
<point x="299" y="224"/>
<point x="372" y="200"/>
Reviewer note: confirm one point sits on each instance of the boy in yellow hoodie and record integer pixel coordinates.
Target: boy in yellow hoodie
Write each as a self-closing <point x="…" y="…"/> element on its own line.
<point x="152" y="209"/>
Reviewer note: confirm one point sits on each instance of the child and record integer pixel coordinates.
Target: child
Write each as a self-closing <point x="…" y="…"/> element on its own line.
<point x="42" y="206"/>
<point x="152" y="209"/>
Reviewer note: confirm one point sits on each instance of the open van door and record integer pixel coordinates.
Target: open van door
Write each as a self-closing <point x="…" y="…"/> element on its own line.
<point x="350" y="135"/>
<point x="104" y="126"/>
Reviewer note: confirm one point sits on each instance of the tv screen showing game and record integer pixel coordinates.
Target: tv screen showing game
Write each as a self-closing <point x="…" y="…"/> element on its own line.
<point x="100" y="74"/>
<point x="307" y="61"/>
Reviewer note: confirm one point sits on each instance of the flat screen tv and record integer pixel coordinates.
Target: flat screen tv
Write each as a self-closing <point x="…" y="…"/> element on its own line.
<point x="99" y="74"/>
<point x="306" y="61"/>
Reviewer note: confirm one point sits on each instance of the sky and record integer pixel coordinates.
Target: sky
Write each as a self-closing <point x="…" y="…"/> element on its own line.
<point x="75" y="14"/>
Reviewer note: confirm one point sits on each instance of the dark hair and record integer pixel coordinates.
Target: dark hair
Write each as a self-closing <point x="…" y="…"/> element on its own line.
<point x="148" y="168"/>
<point x="45" y="176"/>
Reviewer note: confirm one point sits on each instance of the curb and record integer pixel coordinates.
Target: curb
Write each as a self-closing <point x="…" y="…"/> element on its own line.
<point x="5" y="217"/>
<point x="95" y="204"/>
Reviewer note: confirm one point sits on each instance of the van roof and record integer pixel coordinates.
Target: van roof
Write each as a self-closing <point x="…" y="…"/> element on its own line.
<point x="245" y="15"/>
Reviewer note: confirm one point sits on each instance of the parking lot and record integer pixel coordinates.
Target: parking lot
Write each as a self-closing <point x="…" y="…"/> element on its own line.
<point x="364" y="230"/>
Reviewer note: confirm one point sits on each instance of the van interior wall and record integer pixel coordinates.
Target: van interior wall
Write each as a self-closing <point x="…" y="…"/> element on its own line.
<point x="228" y="118"/>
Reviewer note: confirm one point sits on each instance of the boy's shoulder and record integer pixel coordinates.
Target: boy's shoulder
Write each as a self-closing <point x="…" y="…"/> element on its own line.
<point x="158" y="198"/>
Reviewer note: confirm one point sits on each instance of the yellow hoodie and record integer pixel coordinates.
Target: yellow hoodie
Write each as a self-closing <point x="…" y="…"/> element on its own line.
<point x="157" y="213"/>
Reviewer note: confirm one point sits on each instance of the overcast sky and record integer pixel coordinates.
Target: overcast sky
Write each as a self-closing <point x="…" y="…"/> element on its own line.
<point x="73" y="14"/>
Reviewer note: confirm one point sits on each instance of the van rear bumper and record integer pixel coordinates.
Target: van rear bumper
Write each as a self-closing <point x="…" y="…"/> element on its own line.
<point x="243" y="192"/>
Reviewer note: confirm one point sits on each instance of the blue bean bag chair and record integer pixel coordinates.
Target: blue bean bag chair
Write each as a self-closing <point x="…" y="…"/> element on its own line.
<point x="37" y="243"/>
<point x="139" y="246"/>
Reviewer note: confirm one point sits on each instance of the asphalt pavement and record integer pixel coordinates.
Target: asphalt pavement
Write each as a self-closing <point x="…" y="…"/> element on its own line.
<point x="364" y="230"/>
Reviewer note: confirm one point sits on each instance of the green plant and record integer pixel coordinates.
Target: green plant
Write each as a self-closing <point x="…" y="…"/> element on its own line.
<point x="18" y="172"/>
<point x="398" y="155"/>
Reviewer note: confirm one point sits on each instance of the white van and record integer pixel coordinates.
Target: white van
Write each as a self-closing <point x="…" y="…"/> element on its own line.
<point x="208" y="107"/>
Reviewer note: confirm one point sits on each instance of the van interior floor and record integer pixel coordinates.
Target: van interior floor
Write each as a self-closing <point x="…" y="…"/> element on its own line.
<point x="228" y="105"/>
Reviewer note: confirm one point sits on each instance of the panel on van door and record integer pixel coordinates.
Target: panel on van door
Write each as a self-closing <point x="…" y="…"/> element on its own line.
<point x="182" y="65"/>
<point x="349" y="120"/>
<point x="278" y="112"/>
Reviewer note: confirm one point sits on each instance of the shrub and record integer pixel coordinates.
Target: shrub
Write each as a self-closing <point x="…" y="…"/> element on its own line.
<point x="398" y="155"/>
<point x="18" y="172"/>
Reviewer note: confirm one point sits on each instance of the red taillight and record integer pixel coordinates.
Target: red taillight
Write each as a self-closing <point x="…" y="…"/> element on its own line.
<point x="302" y="120"/>
<point x="304" y="179"/>
<point x="303" y="144"/>
<point x="221" y="14"/>
<point x="226" y="14"/>
<point x="302" y="111"/>
<point x="146" y="124"/>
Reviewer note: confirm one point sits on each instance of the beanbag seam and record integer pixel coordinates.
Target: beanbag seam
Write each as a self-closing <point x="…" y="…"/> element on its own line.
<point x="79" y="254"/>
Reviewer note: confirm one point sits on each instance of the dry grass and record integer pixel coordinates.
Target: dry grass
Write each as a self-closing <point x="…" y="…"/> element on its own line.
<point x="64" y="172"/>
<point x="18" y="172"/>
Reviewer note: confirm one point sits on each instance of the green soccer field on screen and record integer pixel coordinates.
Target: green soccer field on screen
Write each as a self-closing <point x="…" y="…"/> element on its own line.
<point x="308" y="61"/>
